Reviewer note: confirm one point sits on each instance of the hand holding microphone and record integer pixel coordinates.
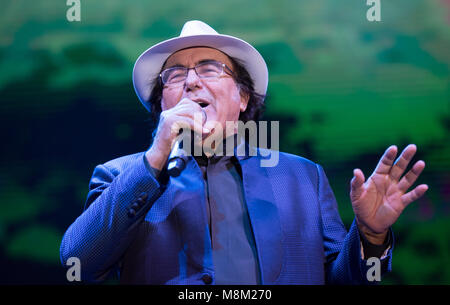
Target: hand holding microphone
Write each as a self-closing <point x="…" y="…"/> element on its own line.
<point x="167" y="145"/>
<point x="178" y="157"/>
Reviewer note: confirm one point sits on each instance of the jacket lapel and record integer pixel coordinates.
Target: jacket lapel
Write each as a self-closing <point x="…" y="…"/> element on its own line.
<point x="264" y="217"/>
<point x="190" y="208"/>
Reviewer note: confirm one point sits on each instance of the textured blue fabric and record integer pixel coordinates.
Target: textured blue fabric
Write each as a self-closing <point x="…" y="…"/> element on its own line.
<point x="299" y="236"/>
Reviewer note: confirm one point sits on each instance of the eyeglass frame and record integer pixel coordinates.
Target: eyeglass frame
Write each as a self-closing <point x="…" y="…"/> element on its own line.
<point x="224" y="70"/>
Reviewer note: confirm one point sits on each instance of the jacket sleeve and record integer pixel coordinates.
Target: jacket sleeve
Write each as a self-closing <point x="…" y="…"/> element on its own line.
<point x="343" y="259"/>
<point x="101" y="234"/>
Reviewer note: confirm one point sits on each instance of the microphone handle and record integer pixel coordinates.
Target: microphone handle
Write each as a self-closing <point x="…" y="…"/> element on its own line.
<point x="177" y="160"/>
<point x="176" y="166"/>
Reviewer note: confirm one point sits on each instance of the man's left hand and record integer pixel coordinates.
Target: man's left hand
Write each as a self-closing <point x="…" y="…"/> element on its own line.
<point x="380" y="200"/>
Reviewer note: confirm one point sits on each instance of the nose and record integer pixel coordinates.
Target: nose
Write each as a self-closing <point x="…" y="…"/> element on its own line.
<point x="192" y="80"/>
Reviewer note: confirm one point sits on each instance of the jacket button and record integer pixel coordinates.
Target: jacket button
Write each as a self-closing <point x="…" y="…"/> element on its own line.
<point x="140" y="201"/>
<point x="131" y="213"/>
<point x="144" y="196"/>
<point x="135" y="206"/>
<point x="207" y="279"/>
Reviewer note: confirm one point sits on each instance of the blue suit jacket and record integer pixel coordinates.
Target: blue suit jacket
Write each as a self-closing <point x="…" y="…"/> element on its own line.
<point x="299" y="236"/>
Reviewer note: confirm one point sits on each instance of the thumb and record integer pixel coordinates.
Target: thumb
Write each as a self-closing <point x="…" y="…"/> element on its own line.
<point x="356" y="184"/>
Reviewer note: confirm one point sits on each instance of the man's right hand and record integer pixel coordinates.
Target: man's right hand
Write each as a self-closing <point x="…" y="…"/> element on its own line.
<point x="186" y="114"/>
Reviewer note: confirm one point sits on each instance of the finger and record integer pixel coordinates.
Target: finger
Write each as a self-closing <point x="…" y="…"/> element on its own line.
<point x="408" y="180"/>
<point x="189" y="132"/>
<point x="356" y="184"/>
<point x="199" y="120"/>
<point x="402" y="162"/>
<point x="184" y="122"/>
<point x="178" y="124"/>
<point x="212" y="127"/>
<point x="190" y="103"/>
<point x="186" y="101"/>
<point x="413" y="195"/>
<point x="186" y="109"/>
<point x="193" y="111"/>
<point x="385" y="163"/>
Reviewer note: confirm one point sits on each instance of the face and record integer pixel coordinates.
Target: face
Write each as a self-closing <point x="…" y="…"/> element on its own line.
<point x="222" y="94"/>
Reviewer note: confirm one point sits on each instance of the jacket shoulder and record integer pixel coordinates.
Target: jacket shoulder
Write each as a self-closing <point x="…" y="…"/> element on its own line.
<point x="291" y="165"/>
<point x="295" y="159"/>
<point x="121" y="163"/>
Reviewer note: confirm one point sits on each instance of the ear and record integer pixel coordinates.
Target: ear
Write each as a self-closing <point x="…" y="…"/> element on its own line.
<point x="244" y="100"/>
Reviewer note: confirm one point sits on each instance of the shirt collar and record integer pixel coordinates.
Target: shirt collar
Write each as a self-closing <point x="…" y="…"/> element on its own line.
<point x="237" y="147"/>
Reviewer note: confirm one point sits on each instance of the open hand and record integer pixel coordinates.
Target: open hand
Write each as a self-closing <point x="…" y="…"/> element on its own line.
<point x="379" y="200"/>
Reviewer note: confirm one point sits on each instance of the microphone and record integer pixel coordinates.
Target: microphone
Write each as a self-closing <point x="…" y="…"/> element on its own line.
<point x="177" y="159"/>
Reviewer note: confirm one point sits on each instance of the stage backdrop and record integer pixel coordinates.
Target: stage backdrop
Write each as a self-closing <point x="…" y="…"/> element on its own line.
<point x="343" y="89"/>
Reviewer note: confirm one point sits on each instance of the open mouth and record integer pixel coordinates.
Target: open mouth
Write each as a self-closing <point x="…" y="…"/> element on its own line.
<point x="203" y="103"/>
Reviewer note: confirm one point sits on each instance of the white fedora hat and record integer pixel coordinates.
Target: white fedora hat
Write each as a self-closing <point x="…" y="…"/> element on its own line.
<point x="197" y="34"/>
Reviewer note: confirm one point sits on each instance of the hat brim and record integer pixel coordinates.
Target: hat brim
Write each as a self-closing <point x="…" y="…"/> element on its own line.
<point x="150" y="62"/>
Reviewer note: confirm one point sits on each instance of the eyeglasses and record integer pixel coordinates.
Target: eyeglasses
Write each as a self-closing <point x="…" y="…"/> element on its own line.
<point x="208" y="69"/>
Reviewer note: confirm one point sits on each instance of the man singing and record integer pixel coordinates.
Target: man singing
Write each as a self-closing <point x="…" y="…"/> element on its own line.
<point x="225" y="218"/>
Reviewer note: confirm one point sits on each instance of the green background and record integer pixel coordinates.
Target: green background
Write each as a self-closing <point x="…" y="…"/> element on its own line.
<point x="343" y="89"/>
